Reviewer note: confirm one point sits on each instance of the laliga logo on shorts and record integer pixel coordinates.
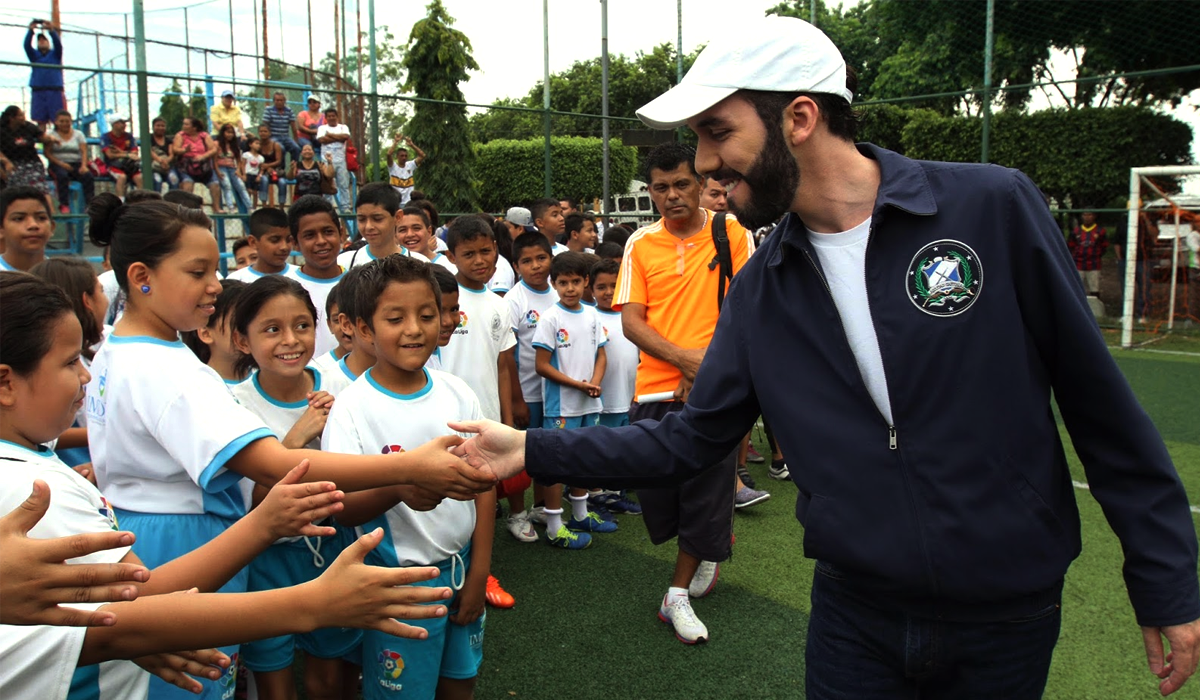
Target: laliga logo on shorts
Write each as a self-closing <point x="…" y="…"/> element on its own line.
<point x="229" y="678"/>
<point x="532" y="317"/>
<point x="389" y="449"/>
<point x="391" y="663"/>
<point x="563" y="336"/>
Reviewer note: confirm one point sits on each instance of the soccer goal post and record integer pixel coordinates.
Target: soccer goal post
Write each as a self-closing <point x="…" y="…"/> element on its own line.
<point x="1166" y="213"/>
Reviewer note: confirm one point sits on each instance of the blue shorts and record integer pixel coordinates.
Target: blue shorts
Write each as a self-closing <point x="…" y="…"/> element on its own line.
<point x="162" y="537"/>
<point x="45" y="104"/>
<point x="290" y="564"/>
<point x="408" y="668"/>
<point x="535" y="413"/>
<point x="614" y="420"/>
<point x="570" y="422"/>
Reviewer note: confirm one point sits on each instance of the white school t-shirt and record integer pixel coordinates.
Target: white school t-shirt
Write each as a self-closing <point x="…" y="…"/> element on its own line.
<point x="368" y="419"/>
<point x="362" y="256"/>
<point x="326" y="361"/>
<point x="401" y="179"/>
<point x="573" y="339"/>
<point x="620" y="373"/>
<point x="162" y="426"/>
<point x="503" y="278"/>
<point x="525" y="308"/>
<point x="843" y="258"/>
<point x="441" y="259"/>
<point x="39" y="661"/>
<point x="318" y="290"/>
<point x="559" y="249"/>
<point x="248" y="274"/>
<point x="483" y="333"/>
<point x="337" y="378"/>
<point x="435" y="361"/>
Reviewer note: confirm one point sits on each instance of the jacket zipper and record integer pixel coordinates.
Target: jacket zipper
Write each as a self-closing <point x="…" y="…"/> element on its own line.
<point x="892" y="442"/>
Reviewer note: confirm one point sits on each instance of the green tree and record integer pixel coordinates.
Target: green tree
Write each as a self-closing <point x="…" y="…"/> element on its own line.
<point x="511" y="172"/>
<point x="198" y="106"/>
<point x="438" y="60"/>
<point x="172" y="107"/>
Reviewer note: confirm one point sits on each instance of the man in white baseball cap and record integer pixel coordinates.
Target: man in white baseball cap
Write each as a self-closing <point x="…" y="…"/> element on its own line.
<point x="912" y="399"/>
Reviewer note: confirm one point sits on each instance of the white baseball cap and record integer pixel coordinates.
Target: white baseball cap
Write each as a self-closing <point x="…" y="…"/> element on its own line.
<point x="772" y="54"/>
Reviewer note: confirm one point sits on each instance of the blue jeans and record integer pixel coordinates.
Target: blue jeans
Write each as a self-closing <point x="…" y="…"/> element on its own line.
<point x="341" y="177"/>
<point x="231" y="187"/>
<point x="289" y="146"/>
<point x="171" y="178"/>
<point x="857" y="649"/>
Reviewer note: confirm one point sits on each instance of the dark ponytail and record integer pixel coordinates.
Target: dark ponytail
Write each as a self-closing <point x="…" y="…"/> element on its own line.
<point x="29" y="309"/>
<point x="145" y="232"/>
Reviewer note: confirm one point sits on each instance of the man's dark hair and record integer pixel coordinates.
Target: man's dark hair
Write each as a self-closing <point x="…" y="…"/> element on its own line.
<point x="838" y="114"/>
<point x="618" y="234"/>
<point x="11" y="195"/>
<point x="530" y="239"/>
<point x="265" y="219"/>
<point x="465" y="229"/>
<point x="380" y="273"/>
<point x="573" y="224"/>
<point x="539" y="206"/>
<point x="310" y="204"/>
<point x="570" y="202"/>
<point x="569" y="263"/>
<point x="380" y="194"/>
<point x="610" y="250"/>
<point x="606" y="266"/>
<point x="669" y="156"/>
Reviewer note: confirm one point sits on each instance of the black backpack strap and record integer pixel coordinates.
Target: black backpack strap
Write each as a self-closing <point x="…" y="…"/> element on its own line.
<point x="723" y="259"/>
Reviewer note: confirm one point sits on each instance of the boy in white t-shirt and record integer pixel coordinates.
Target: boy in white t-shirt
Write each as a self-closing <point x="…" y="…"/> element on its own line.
<point x="415" y="234"/>
<point x="451" y="314"/>
<point x="317" y="234"/>
<point x="569" y="345"/>
<point x="399" y="404"/>
<point x="401" y="169"/>
<point x="361" y="355"/>
<point x="271" y="236"/>
<point x="378" y="210"/>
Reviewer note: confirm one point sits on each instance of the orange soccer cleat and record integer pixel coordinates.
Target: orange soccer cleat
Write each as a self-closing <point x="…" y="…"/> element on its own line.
<point x="496" y="596"/>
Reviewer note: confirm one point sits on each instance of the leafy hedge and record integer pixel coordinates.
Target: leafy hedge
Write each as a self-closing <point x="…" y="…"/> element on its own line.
<point x="510" y="172"/>
<point x="1082" y="156"/>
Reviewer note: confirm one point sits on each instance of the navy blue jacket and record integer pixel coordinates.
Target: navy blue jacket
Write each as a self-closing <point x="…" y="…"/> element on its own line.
<point x="964" y="507"/>
<point x="45" y="77"/>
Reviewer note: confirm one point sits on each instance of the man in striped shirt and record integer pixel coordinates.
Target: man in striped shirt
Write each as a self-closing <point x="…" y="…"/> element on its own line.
<point x="282" y="121"/>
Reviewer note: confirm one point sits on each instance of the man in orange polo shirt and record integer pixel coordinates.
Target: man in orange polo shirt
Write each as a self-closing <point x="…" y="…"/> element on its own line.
<point x="667" y="295"/>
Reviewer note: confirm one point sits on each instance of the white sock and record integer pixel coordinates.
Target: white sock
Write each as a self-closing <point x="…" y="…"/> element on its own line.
<point x="553" y="521"/>
<point x="674" y="594"/>
<point x="578" y="507"/>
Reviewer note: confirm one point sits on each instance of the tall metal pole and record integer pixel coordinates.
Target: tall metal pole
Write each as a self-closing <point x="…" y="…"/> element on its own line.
<point x="607" y="188"/>
<point x="143" y="96"/>
<point x="232" y="53"/>
<point x="266" y="54"/>
<point x="187" y="56"/>
<point x="546" y="172"/>
<point x="128" y="80"/>
<point x="812" y="12"/>
<point x="337" y="53"/>
<point x="311" y="65"/>
<point x="376" y="162"/>
<point x="987" y="82"/>
<point x="679" y="42"/>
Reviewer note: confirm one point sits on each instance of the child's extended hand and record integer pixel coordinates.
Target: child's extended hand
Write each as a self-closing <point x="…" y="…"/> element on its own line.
<point x="471" y="600"/>
<point x="592" y="390"/>
<point x="179" y="668"/>
<point x="441" y="472"/>
<point x="291" y="508"/>
<point x="320" y="399"/>
<point x="352" y="594"/>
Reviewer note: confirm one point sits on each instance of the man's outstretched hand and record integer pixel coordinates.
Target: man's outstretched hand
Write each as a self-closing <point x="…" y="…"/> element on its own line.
<point x="1180" y="662"/>
<point x="495" y="447"/>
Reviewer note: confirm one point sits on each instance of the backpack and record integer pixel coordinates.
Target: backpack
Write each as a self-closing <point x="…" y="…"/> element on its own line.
<point x="351" y="157"/>
<point x="723" y="258"/>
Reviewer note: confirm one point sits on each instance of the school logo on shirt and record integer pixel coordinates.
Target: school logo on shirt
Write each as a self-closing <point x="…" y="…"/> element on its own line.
<point x="390" y="449"/>
<point x="532" y="318"/>
<point x="944" y="278"/>
<point x="391" y="664"/>
<point x="462" y="324"/>
<point x="95" y="403"/>
<point x="605" y="329"/>
<point x="107" y="512"/>
<point x="563" y="336"/>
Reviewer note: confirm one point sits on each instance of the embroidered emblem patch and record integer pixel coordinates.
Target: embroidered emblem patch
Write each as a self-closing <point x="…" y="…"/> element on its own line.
<point x="944" y="278"/>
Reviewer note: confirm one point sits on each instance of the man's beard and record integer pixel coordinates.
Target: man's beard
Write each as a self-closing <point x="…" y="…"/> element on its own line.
<point x="772" y="179"/>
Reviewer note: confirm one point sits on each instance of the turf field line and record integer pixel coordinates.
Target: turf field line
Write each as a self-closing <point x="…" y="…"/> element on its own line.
<point x="1170" y="352"/>
<point x="1084" y="486"/>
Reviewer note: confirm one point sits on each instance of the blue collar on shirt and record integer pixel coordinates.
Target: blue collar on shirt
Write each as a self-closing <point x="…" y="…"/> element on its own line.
<point x="559" y="304"/>
<point x="41" y="451"/>
<point x="319" y="280"/>
<point x="902" y="184"/>
<point x="127" y="339"/>
<point x="403" y="397"/>
<point x="525" y="284"/>
<point x="284" y="404"/>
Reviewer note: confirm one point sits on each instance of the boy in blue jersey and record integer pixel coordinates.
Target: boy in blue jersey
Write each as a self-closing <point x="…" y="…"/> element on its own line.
<point x="394" y="405"/>
<point x="569" y="345"/>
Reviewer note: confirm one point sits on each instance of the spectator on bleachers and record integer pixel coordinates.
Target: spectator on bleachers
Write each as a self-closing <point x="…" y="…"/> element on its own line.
<point x="282" y="121"/>
<point x="333" y="137"/>
<point x="226" y="112"/>
<point x="67" y="152"/>
<point x="308" y="172"/>
<point x="272" y="168"/>
<point x="163" y="156"/>
<point x="18" y="151"/>
<point x="229" y="170"/>
<point x="120" y="150"/>
<point x="45" y="83"/>
<point x="307" y="123"/>
<point x="195" y="151"/>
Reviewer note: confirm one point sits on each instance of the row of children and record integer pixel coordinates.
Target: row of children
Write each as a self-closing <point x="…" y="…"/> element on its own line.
<point x="383" y="318"/>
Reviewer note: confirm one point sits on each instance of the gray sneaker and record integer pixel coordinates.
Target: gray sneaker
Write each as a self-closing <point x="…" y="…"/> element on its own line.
<point x="747" y="497"/>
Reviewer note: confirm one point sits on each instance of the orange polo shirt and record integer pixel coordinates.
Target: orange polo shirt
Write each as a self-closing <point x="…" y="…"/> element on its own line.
<point x="670" y="276"/>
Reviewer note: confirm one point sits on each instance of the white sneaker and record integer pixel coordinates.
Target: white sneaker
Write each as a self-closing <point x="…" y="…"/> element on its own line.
<point x="537" y="514"/>
<point x="704" y="580"/>
<point x="521" y="528"/>
<point x="688" y="628"/>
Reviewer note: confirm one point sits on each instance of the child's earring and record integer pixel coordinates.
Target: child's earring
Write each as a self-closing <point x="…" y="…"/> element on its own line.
<point x="145" y="289"/>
